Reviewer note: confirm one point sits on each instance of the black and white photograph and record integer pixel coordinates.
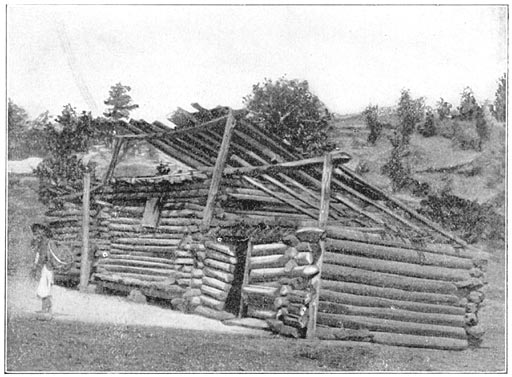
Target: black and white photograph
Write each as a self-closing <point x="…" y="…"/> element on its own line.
<point x="255" y="188"/>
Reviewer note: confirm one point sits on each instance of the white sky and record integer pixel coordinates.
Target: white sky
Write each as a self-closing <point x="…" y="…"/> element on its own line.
<point x="175" y="55"/>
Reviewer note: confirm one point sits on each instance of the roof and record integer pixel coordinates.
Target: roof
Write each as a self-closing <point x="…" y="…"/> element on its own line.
<point x="251" y="146"/>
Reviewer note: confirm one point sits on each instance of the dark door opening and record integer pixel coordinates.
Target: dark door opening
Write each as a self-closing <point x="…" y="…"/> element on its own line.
<point x="235" y="293"/>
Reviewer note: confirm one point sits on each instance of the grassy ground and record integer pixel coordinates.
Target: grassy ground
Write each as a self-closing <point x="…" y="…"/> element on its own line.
<point x="60" y="345"/>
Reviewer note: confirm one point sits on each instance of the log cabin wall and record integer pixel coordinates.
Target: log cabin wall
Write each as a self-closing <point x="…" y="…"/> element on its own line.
<point x="278" y="285"/>
<point x="162" y="260"/>
<point x="422" y="295"/>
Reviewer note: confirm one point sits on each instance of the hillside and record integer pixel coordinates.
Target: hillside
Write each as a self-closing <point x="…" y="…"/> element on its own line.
<point x="443" y="162"/>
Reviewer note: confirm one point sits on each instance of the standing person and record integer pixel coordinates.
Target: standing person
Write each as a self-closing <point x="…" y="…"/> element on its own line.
<point x="44" y="261"/>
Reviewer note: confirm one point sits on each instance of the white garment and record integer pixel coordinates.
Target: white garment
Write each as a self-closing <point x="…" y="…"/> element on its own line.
<point x="44" y="288"/>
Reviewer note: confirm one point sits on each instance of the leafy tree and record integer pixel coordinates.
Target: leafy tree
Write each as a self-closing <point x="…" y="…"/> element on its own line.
<point x="444" y="109"/>
<point x="17" y="125"/>
<point x="468" y="105"/>
<point x="120" y="102"/>
<point x="289" y="110"/>
<point x="500" y="103"/>
<point x="370" y="116"/>
<point x="62" y="169"/>
<point x="410" y="111"/>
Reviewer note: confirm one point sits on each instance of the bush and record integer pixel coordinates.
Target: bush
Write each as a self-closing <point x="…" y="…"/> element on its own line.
<point x="473" y="221"/>
<point x="410" y="111"/>
<point x="428" y="128"/>
<point x="482" y="128"/>
<point x="370" y="117"/>
<point x="395" y="168"/>
<point x="468" y="105"/>
<point x="288" y="109"/>
<point x="465" y="136"/>
<point x="444" y="109"/>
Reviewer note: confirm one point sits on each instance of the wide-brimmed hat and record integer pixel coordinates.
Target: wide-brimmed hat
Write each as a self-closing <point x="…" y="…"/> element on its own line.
<point x="38" y="226"/>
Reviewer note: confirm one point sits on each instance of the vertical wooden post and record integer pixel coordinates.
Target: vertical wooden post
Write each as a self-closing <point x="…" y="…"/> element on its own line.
<point x="85" y="267"/>
<point x="217" y="171"/>
<point x="245" y="281"/>
<point x="322" y="222"/>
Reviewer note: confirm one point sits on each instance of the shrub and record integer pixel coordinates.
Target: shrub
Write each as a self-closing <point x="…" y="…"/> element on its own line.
<point x="468" y="105"/>
<point x="473" y="221"/>
<point x="410" y="111"/>
<point x="482" y="128"/>
<point x="465" y="136"/>
<point x="289" y="110"/>
<point x="370" y="117"/>
<point x="395" y="168"/>
<point x="444" y="109"/>
<point x="428" y="128"/>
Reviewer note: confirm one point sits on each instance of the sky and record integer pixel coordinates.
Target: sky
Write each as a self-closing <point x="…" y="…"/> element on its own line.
<point x="172" y="56"/>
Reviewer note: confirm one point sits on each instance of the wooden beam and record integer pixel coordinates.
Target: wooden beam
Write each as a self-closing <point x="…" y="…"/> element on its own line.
<point x="118" y="143"/>
<point x="410" y="211"/>
<point x="322" y="223"/>
<point x="85" y="265"/>
<point x="219" y="167"/>
<point x="339" y="157"/>
<point x="278" y="196"/>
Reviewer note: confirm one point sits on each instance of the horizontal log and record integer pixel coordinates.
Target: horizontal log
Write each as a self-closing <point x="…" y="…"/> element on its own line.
<point x="357" y="300"/>
<point x="147" y="241"/>
<point x="297" y="309"/>
<point x="259" y="313"/>
<point x="222" y="276"/>
<point x="300" y="297"/>
<point x="310" y="234"/>
<point x="417" y="341"/>
<point x="268" y="249"/>
<point x="387" y="325"/>
<point x="260" y="290"/>
<point x="217" y="294"/>
<point x="147" y="249"/>
<point x="331" y="333"/>
<point x="387" y="313"/>
<point x="126" y="220"/>
<point x="296" y="321"/>
<point x="126" y="280"/>
<point x="178" y="221"/>
<point x="182" y="261"/>
<point x="221" y="257"/>
<point x="133" y="262"/>
<point x="348" y="234"/>
<point x="212" y="313"/>
<point x="221" y="266"/>
<point x="269" y="273"/>
<point x="141" y="270"/>
<point x="225" y="249"/>
<point x="215" y="283"/>
<point x="389" y="293"/>
<point x="380" y="279"/>
<point x="397" y="268"/>
<point x="397" y="254"/>
<point x="212" y="303"/>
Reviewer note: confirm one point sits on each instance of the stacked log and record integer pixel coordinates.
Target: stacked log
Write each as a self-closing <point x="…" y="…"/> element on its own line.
<point x="424" y="296"/>
<point x="279" y="285"/>
<point x="219" y="262"/>
<point x="167" y="255"/>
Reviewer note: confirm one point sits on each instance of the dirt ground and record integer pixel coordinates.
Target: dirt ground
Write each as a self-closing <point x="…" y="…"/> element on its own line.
<point x="107" y="333"/>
